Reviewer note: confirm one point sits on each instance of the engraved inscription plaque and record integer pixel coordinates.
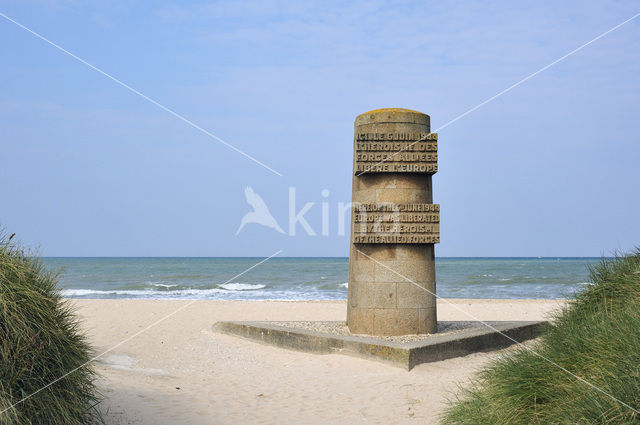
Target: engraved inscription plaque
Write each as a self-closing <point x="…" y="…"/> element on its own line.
<point x="396" y="153"/>
<point x="396" y="223"/>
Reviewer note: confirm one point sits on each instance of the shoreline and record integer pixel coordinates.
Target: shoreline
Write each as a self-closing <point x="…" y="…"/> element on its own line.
<point x="177" y="370"/>
<point x="275" y="300"/>
<point x="440" y="301"/>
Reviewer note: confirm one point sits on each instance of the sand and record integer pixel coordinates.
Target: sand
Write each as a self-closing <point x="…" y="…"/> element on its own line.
<point x="181" y="372"/>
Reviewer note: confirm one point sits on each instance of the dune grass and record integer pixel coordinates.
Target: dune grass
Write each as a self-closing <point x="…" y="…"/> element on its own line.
<point x="39" y="342"/>
<point x="596" y="337"/>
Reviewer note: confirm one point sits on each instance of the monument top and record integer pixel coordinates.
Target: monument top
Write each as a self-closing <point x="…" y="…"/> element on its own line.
<point x="393" y="115"/>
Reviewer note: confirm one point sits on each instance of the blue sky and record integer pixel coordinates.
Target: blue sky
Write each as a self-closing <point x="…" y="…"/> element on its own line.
<point x="88" y="168"/>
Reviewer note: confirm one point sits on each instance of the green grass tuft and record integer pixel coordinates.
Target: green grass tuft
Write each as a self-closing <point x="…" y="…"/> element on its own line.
<point x="40" y="341"/>
<point x="596" y="337"/>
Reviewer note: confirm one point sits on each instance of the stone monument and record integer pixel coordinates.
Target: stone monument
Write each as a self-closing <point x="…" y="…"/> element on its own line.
<point x="394" y="225"/>
<point x="392" y="278"/>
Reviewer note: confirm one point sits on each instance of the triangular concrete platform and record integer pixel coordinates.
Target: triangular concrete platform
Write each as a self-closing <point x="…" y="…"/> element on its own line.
<point x="469" y="337"/>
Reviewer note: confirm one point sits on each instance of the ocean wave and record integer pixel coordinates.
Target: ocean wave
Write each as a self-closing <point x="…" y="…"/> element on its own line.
<point x="204" y="294"/>
<point x="163" y="291"/>
<point x="345" y="284"/>
<point x="234" y="286"/>
<point x="147" y="293"/>
<point x="163" y="285"/>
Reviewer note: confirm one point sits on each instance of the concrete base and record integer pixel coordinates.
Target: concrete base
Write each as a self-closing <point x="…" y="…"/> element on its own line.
<point x="403" y="354"/>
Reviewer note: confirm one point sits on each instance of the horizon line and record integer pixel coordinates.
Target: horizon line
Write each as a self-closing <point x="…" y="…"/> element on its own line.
<point x="323" y="256"/>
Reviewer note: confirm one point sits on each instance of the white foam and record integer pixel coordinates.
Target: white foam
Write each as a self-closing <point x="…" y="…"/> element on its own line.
<point x="147" y="293"/>
<point x="163" y="285"/>
<point x="139" y="292"/>
<point x="80" y="292"/>
<point x="345" y="284"/>
<point x="235" y="286"/>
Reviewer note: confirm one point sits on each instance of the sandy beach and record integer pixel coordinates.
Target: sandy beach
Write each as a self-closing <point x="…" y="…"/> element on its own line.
<point x="181" y="372"/>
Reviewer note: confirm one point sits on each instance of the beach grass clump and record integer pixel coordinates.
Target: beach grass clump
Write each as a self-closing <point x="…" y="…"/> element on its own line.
<point x="40" y="342"/>
<point x="595" y="339"/>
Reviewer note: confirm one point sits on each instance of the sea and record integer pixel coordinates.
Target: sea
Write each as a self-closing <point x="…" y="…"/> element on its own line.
<point x="306" y="278"/>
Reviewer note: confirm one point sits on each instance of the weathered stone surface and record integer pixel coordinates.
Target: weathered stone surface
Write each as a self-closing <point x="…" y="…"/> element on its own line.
<point x="394" y="225"/>
<point x="409" y="295"/>
<point x="360" y="320"/>
<point x="373" y="295"/>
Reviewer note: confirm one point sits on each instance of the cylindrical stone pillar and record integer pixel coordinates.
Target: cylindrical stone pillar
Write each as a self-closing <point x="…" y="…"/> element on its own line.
<point x="394" y="225"/>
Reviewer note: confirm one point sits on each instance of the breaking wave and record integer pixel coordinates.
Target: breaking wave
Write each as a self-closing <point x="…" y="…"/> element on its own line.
<point x="234" y="286"/>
